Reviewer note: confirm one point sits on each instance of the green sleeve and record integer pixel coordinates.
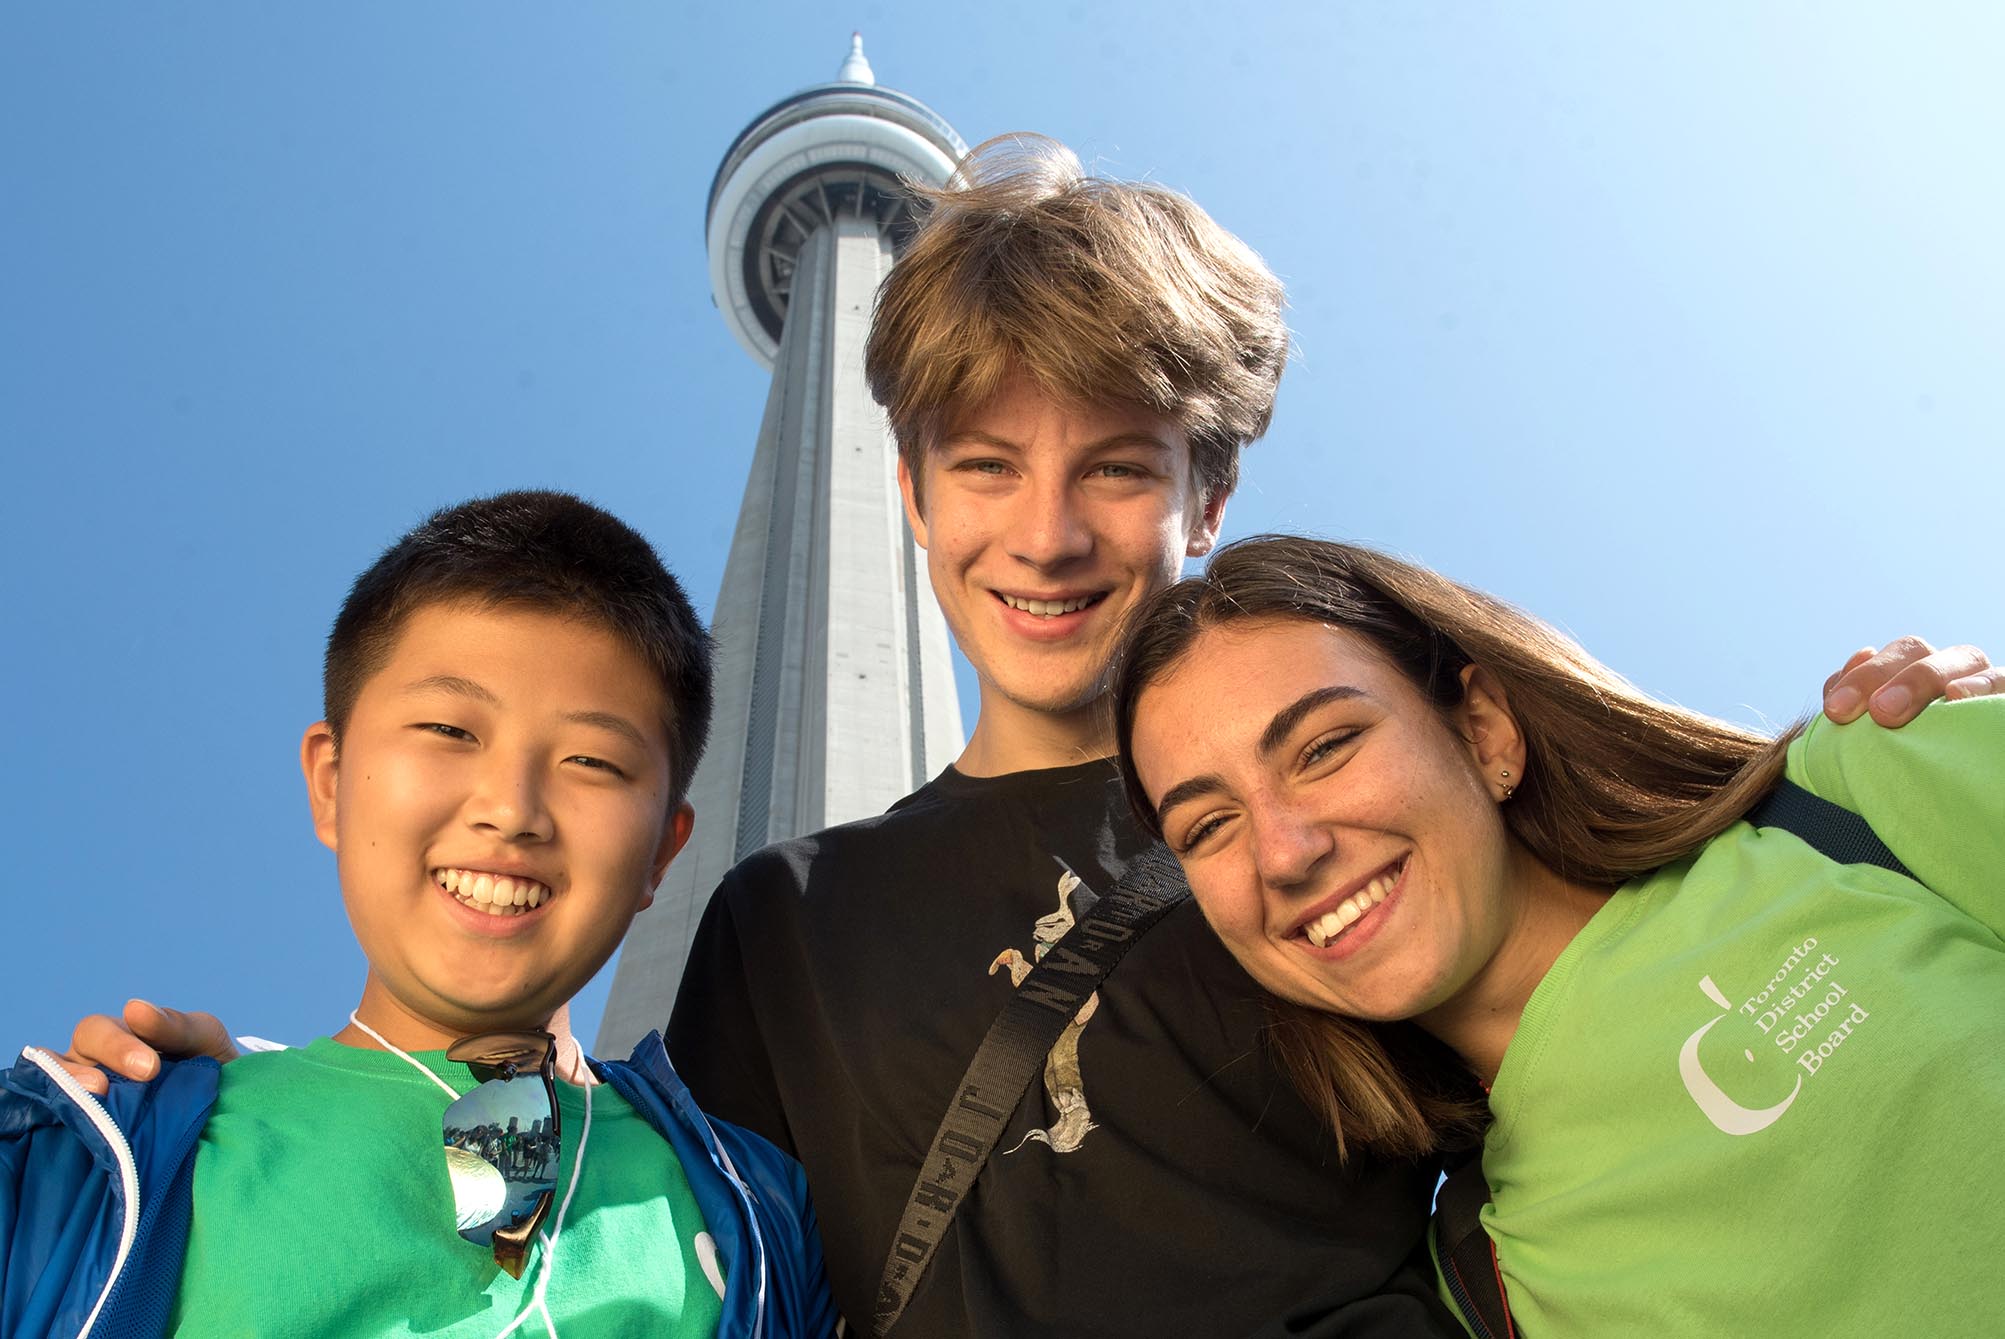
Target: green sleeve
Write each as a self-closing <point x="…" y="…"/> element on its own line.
<point x="1934" y="791"/>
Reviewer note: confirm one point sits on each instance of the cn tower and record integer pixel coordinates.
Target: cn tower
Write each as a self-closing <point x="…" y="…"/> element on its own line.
<point x="835" y="690"/>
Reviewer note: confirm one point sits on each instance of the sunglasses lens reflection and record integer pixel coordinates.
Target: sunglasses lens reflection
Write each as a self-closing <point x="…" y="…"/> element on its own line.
<point x="501" y="1154"/>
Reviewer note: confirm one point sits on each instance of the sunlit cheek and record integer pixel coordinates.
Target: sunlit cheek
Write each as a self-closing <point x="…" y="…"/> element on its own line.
<point x="411" y="780"/>
<point x="632" y="832"/>
<point x="1167" y="541"/>
<point x="950" y="534"/>
<point x="1233" y="917"/>
<point x="1384" y="797"/>
<point x="1209" y="904"/>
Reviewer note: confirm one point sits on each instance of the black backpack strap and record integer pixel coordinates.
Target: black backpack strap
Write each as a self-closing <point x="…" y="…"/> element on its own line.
<point x="1011" y="1055"/>
<point x="1831" y="830"/>
<point x="1467" y="1257"/>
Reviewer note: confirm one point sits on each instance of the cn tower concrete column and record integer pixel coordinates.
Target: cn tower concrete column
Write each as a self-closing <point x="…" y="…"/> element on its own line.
<point x="835" y="693"/>
<point x="871" y="710"/>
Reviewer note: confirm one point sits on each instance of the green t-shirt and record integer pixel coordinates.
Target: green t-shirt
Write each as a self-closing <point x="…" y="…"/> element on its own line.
<point x="322" y="1207"/>
<point x="1762" y="1093"/>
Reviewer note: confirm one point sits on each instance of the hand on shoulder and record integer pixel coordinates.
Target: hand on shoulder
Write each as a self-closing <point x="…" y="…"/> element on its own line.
<point x="1895" y="682"/>
<point x="133" y="1044"/>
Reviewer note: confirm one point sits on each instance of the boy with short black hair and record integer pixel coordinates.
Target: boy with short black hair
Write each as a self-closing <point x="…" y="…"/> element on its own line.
<point x="517" y="693"/>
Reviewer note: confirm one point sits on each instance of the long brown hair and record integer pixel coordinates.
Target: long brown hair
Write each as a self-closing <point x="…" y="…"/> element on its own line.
<point x="1615" y="783"/>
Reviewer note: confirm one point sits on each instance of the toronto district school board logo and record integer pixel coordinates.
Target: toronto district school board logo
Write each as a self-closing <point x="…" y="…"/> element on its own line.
<point x="1804" y="1010"/>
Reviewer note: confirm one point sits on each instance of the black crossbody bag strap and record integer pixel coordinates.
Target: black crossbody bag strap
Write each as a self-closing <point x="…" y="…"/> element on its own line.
<point x="1832" y="830"/>
<point x="1466" y="1255"/>
<point x="1011" y="1055"/>
<point x="1468" y="1259"/>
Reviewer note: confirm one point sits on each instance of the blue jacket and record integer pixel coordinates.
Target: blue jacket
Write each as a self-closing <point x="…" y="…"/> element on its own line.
<point x="95" y="1200"/>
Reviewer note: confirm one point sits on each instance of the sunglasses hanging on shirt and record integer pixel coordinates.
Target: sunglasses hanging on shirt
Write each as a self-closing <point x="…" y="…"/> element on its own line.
<point x="501" y="1142"/>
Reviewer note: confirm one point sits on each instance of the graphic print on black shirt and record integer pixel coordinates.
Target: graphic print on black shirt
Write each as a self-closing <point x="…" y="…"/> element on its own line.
<point x="1063" y="1083"/>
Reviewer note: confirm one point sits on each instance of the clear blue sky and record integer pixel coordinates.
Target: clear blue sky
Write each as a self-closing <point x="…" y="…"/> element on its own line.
<point x="1681" y="325"/>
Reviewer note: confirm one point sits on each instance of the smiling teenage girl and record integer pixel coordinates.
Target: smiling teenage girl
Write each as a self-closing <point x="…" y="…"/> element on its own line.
<point x="1734" y="1087"/>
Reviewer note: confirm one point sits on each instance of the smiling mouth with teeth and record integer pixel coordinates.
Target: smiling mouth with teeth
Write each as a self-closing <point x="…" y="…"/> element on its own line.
<point x="1326" y="928"/>
<point x="495" y="894"/>
<point x="1050" y="608"/>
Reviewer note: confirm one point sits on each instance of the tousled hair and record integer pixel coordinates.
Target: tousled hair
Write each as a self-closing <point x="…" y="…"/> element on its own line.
<point x="1101" y="291"/>
<point x="539" y="550"/>
<point x="1615" y="783"/>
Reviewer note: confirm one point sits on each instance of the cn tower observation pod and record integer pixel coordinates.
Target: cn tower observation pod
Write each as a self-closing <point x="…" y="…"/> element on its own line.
<point x="830" y="151"/>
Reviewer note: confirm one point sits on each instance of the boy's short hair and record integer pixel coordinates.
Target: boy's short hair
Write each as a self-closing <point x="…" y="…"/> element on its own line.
<point x="1101" y="291"/>
<point x="546" y="551"/>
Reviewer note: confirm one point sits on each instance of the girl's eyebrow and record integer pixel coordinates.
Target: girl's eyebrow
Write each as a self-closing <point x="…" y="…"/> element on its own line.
<point x="1290" y="716"/>
<point x="1276" y="734"/>
<point x="1186" y="790"/>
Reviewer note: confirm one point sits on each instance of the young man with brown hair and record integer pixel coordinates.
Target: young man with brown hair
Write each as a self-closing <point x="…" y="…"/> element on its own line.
<point x="1071" y="366"/>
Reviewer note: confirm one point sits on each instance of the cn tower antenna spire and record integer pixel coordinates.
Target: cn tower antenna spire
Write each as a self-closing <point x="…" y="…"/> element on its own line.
<point x="855" y="69"/>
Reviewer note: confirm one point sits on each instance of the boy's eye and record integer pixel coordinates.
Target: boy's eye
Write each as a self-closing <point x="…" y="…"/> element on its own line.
<point x="1118" y="469"/>
<point x="596" y="764"/>
<point x="441" y="728"/>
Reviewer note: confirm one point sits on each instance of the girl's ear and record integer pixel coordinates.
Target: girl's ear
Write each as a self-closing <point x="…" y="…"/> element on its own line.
<point x="1490" y="732"/>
